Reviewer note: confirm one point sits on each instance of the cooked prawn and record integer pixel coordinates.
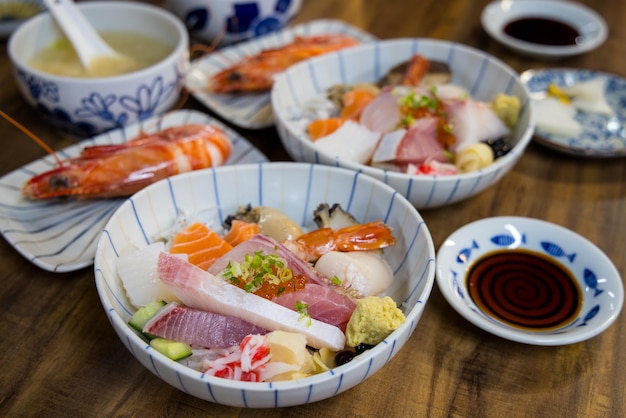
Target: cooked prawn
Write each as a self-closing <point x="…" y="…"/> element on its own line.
<point x="360" y="237"/>
<point x="104" y="171"/>
<point x="256" y="73"/>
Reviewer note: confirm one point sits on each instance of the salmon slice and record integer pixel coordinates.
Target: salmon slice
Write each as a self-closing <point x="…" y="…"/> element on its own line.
<point x="241" y="231"/>
<point x="322" y="127"/>
<point x="202" y="245"/>
<point x="354" y="101"/>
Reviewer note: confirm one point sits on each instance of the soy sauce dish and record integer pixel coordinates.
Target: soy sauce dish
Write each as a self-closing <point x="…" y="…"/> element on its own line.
<point x="529" y="281"/>
<point x="545" y="29"/>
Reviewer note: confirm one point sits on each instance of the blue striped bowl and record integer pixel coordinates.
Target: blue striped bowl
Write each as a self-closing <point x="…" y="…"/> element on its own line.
<point x="297" y="189"/>
<point x="483" y="75"/>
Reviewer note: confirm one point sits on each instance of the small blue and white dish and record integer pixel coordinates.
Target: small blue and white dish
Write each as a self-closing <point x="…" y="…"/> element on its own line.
<point x="601" y="135"/>
<point x="529" y="281"/>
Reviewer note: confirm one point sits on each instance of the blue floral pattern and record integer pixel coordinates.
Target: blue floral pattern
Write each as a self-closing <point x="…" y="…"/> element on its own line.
<point x="99" y="111"/>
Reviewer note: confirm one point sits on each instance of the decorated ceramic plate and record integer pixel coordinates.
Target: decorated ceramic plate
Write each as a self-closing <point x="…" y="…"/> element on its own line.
<point x="567" y="28"/>
<point x="14" y="12"/>
<point x="601" y="135"/>
<point x="254" y="111"/>
<point x="61" y="235"/>
<point x="529" y="281"/>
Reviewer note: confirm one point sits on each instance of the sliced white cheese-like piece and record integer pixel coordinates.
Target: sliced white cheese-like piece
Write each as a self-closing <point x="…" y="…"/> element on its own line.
<point x="588" y="96"/>
<point x="554" y="117"/>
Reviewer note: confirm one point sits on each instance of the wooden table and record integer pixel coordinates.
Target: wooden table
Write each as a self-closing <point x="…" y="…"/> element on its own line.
<point x="60" y="356"/>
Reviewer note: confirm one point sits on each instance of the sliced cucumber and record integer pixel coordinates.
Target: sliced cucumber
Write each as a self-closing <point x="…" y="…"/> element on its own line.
<point x="172" y="349"/>
<point x="143" y="315"/>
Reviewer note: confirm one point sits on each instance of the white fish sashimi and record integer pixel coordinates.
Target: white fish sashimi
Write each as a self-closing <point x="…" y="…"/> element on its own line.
<point x="387" y="149"/>
<point x="351" y="141"/>
<point x="588" y="96"/>
<point x="140" y="278"/>
<point x="200" y="289"/>
<point x="473" y="121"/>
<point x="383" y="113"/>
<point x="556" y="118"/>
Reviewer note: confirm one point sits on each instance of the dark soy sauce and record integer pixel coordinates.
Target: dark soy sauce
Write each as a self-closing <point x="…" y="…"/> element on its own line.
<point x="524" y="289"/>
<point x="543" y="31"/>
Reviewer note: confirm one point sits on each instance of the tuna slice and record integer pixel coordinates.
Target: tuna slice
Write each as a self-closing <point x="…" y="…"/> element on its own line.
<point x="194" y="326"/>
<point x="416" y="145"/>
<point x="200" y="289"/>
<point x="473" y="121"/>
<point x="324" y="304"/>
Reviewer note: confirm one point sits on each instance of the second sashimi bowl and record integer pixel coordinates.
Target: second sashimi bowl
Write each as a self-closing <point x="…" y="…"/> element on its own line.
<point x="473" y="82"/>
<point x="296" y="190"/>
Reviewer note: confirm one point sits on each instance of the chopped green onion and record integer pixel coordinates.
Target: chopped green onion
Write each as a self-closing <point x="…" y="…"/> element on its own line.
<point x="256" y="269"/>
<point x="303" y="309"/>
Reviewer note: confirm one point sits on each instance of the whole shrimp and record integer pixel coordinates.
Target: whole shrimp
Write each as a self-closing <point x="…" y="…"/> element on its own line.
<point x="104" y="171"/>
<point x="256" y="73"/>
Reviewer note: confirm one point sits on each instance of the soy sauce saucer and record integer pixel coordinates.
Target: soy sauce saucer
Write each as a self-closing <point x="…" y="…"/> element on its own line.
<point x="596" y="277"/>
<point x="590" y="25"/>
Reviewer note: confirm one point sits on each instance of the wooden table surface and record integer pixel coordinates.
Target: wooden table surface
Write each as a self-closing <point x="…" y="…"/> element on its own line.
<point x="60" y="356"/>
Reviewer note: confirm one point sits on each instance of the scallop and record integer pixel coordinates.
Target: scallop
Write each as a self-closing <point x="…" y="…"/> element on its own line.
<point x="362" y="273"/>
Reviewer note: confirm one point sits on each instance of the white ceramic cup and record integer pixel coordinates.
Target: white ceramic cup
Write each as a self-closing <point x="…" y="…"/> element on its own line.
<point x="87" y="106"/>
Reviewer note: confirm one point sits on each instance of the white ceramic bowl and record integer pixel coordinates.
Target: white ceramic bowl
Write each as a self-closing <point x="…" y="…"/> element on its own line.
<point x="483" y="75"/>
<point x="591" y="26"/>
<point x="87" y="106"/>
<point x="232" y="21"/>
<point x="540" y="298"/>
<point x="296" y="189"/>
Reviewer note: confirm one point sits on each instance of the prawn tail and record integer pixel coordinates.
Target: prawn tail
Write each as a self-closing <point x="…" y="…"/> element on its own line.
<point x="360" y="237"/>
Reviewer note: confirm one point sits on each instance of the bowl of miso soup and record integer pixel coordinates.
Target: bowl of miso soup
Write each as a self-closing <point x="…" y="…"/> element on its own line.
<point x="529" y="280"/>
<point x="108" y="94"/>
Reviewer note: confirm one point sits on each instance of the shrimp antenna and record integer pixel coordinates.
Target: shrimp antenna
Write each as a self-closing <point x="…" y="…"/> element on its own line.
<point x="32" y="136"/>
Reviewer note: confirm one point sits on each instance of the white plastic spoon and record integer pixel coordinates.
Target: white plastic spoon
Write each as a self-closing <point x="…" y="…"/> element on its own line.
<point x="86" y="41"/>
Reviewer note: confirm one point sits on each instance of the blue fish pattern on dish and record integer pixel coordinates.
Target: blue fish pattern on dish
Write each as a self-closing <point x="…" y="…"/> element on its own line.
<point x="590" y="315"/>
<point x="592" y="281"/>
<point x="505" y="240"/>
<point x="465" y="253"/>
<point x="455" y="284"/>
<point x="556" y="251"/>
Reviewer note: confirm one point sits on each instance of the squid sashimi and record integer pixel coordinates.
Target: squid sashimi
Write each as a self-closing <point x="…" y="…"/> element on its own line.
<point x="200" y="289"/>
<point x="351" y="141"/>
<point x="198" y="327"/>
<point x="323" y="303"/>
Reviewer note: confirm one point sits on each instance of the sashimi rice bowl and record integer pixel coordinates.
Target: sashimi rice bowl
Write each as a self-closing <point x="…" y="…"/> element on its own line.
<point x="437" y="121"/>
<point x="265" y="285"/>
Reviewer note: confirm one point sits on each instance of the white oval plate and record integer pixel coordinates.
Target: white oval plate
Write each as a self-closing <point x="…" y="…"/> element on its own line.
<point x="602" y="135"/>
<point x="590" y="24"/>
<point x="254" y="111"/>
<point x="599" y="280"/>
<point x="61" y="235"/>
